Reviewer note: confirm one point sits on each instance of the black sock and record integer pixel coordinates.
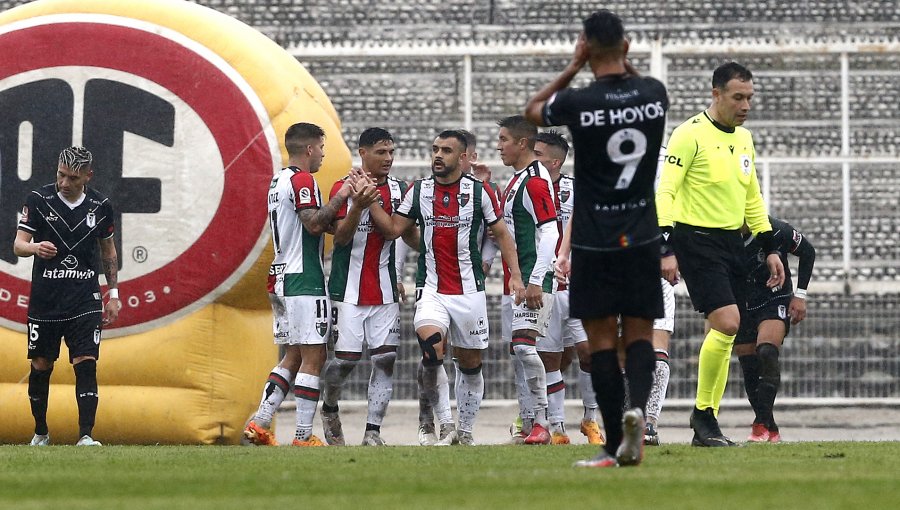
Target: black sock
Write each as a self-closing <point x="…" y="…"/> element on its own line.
<point x="370" y="426"/>
<point x="86" y="395"/>
<point x="750" y="367"/>
<point x="640" y="364"/>
<point x="769" y="381"/>
<point x="609" y="386"/>
<point x="38" y="394"/>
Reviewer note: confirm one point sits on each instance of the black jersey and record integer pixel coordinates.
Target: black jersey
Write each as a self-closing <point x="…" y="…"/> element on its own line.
<point x="67" y="285"/>
<point x="617" y="126"/>
<point x="787" y="240"/>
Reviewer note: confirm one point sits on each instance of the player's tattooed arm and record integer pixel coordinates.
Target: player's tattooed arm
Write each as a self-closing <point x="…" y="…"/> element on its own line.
<point x="318" y="221"/>
<point x="109" y="259"/>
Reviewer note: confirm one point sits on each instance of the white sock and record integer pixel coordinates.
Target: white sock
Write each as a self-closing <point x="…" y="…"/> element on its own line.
<point x="523" y="394"/>
<point x="468" y="400"/>
<point x="306" y="391"/>
<point x="334" y="373"/>
<point x="276" y="388"/>
<point x="556" y="397"/>
<point x="536" y="377"/>
<point x="588" y="398"/>
<point x="437" y="388"/>
<point x="658" y="390"/>
<point x="381" y="386"/>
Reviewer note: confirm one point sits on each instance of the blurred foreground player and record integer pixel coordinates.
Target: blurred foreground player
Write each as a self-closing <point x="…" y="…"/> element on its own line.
<point x="617" y="126"/>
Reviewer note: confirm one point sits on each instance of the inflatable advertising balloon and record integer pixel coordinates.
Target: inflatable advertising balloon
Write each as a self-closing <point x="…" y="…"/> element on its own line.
<point x="184" y="110"/>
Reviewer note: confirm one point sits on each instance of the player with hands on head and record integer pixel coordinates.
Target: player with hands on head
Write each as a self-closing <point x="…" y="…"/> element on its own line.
<point x="617" y="124"/>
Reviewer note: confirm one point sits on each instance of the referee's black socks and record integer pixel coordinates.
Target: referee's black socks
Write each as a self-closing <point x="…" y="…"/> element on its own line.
<point x="38" y="394"/>
<point x="86" y="395"/>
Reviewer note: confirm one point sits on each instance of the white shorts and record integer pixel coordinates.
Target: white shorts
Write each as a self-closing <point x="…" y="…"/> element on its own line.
<point x="515" y="317"/>
<point x="376" y="325"/>
<point x="667" y="323"/>
<point x="463" y="317"/>
<point x="300" y="320"/>
<point x="563" y="331"/>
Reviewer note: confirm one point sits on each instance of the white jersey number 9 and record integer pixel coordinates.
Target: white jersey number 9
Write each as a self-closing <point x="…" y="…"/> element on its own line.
<point x="628" y="138"/>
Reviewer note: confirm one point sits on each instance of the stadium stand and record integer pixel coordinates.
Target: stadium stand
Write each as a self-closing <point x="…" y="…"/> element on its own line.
<point x="849" y="346"/>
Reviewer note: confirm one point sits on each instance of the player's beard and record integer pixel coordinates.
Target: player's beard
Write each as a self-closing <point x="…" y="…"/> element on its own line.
<point x="444" y="172"/>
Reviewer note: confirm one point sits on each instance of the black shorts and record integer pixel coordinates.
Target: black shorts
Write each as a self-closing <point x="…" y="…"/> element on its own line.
<point x="608" y="283"/>
<point x="711" y="262"/>
<point x="82" y="336"/>
<point x="776" y="309"/>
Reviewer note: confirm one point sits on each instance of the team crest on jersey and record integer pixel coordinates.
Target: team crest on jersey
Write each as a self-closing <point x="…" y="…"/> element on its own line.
<point x="395" y="203"/>
<point x="746" y="164"/>
<point x="91" y="219"/>
<point x="446" y="199"/>
<point x="462" y="198"/>
<point x="564" y="195"/>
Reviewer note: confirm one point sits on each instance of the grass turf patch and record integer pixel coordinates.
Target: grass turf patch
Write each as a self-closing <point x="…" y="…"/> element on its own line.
<point x="793" y="475"/>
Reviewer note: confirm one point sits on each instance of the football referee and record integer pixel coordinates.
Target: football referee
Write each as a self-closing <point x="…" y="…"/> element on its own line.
<point x="707" y="188"/>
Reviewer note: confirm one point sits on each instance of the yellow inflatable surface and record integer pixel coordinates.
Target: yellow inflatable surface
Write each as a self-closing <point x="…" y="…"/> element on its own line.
<point x="185" y="110"/>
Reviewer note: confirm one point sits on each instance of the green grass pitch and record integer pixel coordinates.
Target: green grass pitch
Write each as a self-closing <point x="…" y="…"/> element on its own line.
<point x="795" y="475"/>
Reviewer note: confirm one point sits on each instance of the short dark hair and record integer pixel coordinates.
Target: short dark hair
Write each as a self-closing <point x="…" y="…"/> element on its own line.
<point x="553" y="138"/>
<point x="471" y="140"/>
<point x="76" y="159"/>
<point x="300" y="135"/>
<point x="604" y="29"/>
<point x="373" y="135"/>
<point x="519" y="127"/>
<point x="455" y="133"/>
<point x="729" y="71"/>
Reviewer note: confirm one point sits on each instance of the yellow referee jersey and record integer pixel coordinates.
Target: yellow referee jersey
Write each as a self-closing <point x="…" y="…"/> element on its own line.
<point x="709" y="178"/>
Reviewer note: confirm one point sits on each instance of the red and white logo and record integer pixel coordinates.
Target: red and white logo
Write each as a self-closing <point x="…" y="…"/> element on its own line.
<point x="182" y="146"/>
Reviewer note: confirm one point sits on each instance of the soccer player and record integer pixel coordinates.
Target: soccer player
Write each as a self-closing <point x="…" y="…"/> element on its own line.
<point x="766" y="319"/>
<point x="449" y="208"/>
<point x="62" y="225"/>
<point x="489" y="250"/>
<point x="617" y="125"/>
<point x="564" y="333"/>
<point x="363" y="289"/>
<point x="296" y="283"/>
<point x="707" y="188"/>
<point x="530" y="214"/>
<point x="663" y="328"/>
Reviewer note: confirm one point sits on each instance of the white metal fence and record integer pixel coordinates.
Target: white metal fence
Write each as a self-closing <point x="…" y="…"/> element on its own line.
<point x="828" y="140"/>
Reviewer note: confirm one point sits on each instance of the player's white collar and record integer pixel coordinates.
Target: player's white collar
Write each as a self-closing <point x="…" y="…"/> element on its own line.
<point x="71" y="205"/>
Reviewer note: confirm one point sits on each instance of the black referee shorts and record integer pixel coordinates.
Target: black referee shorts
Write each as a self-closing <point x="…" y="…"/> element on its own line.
<point x="711" y="262"/>
<point x="623" y="282"/>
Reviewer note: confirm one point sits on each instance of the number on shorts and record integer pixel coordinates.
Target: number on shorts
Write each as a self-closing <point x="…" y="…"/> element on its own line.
<point x="630" y="161"/>
<point x="321" y="309"/>
<point x="33" y="332"/>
